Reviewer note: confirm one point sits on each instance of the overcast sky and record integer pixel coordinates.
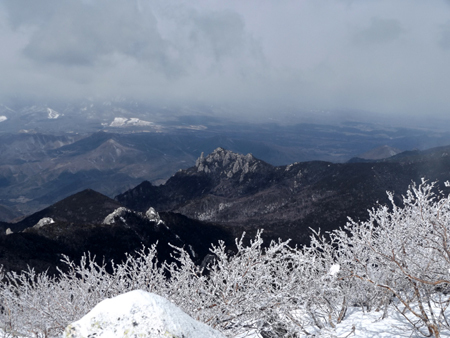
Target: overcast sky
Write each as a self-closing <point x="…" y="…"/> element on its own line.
<point x="385" y="56"/>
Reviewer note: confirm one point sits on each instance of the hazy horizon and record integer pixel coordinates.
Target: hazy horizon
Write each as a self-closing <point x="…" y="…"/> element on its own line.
<point x="361" y="58"/>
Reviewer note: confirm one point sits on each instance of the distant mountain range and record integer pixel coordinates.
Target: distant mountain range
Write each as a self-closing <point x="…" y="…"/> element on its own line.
<point x="222" y="195"/>
<point x="38" y="169"/>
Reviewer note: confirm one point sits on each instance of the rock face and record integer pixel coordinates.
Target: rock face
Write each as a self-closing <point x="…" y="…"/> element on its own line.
<point x="138" y="314"/>
<point x="227" y="163"/>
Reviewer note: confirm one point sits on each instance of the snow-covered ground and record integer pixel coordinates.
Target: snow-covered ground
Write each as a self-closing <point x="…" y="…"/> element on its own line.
<point x="359" y="324"/>
<point x="370" y="325"/>
<point x="356" y="325"/>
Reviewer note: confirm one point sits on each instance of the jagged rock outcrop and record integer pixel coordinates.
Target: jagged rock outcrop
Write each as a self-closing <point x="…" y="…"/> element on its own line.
<point x="118" y="213"/>
<point x="121" y="214"/>
<point x="138" y="314"/>
<point x="152" y="215"/>
<point x="228" y="163"/>
<point x="222" y="173"/>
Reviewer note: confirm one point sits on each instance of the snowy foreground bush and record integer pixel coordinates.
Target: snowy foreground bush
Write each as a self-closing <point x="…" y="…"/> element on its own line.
<point x="395" y="264"/>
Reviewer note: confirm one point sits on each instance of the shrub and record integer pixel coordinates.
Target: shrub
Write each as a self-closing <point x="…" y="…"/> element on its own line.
<point x="405" y="252"/>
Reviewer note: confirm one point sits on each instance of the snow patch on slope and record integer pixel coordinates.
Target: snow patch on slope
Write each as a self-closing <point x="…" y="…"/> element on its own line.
<point x="52" y="114"/>
<point x="3" y="118"/>
<point x="138" y="314"/>
<point x="130" y="122"/>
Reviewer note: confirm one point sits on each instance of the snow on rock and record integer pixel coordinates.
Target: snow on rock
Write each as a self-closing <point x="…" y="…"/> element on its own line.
<point x="3" y="118"/>
<point x="43" y="221"/>
<point x="119" y="212"/>
<point x="152" y="215"/>
<point x="8" y="231"/>
<point x="138" y="314"/>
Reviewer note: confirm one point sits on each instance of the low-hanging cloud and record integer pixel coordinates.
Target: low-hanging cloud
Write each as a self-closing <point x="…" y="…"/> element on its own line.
<point x="80" y="34"/>
<point x="379" y="31"/>
<point x="382" y="56"/>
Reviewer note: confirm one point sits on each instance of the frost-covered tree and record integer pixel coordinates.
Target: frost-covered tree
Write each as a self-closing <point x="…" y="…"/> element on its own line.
<point x="405" y="252"/>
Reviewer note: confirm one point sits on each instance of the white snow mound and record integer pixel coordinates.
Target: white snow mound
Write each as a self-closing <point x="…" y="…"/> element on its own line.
<point x="138" y="314"/>
<point x="3" y="118"/>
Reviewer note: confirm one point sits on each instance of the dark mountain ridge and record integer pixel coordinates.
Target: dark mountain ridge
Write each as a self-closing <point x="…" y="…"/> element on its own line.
<point x="91" y="222"/>
<point x="85" y="207"/>
<point x="242" y="191"/>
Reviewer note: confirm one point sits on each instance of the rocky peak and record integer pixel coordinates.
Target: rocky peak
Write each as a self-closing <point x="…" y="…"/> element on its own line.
<point x="226" y="162"/>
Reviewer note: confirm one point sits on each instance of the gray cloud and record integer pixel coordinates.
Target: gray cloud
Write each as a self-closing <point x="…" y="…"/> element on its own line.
<point x="380" y="56"/>
<point x="83" y="34"/>
<point x="223" y="33"/>
<point x="444" y="39"/>
<point x="379" y="31"/>
<point x="97" y="33"/>
<point x="28" y="12"/>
